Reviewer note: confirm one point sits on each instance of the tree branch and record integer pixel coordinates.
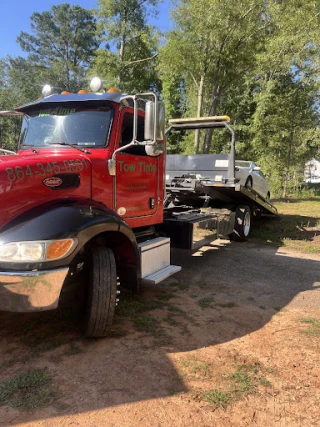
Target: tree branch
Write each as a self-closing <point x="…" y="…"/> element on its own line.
<point x="140" y="60"/>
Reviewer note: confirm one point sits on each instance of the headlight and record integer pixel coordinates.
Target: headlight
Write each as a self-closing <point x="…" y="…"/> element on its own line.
<point x="44" y="250"/>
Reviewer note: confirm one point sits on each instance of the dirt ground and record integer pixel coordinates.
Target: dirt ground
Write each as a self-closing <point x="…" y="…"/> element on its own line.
<point x="231" y="340"/>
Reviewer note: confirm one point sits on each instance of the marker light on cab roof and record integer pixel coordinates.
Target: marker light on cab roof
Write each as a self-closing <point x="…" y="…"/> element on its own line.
<point x="95" y="84"/>
<point x="46" y="90"/>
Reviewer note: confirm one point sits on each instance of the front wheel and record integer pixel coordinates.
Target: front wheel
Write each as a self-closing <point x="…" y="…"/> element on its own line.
<point x="242" y="224"/>
<point x="101" y="272"/>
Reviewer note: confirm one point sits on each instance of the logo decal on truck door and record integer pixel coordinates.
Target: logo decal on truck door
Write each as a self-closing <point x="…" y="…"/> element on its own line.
<point x="52" y="182"/>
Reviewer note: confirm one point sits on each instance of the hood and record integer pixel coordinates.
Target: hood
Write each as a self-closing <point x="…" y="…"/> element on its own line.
<point x="27" y="181"/>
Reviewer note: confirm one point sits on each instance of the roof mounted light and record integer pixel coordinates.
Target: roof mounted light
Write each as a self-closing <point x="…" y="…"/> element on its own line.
<point x="112" y="90"/>
<point x="46" y="90"/>
<point x="82" y="92"/>
<point x="95" y="84"/>
<point x="199" y="120"/>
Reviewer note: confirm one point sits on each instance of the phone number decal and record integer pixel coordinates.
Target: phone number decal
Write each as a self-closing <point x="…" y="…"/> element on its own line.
<point x="42" y="169"/>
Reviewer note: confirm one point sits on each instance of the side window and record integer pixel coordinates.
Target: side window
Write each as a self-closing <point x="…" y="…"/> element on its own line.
<point x="127" y="135"/>
<point x="261" y="174"/>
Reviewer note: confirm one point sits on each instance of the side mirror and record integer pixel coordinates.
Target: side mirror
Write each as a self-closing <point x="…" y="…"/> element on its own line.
<point x="256" y="168"/>
<point x="154" y="124"/>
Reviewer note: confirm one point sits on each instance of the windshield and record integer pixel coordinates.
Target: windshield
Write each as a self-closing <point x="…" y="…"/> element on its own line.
<point x="243" y="163"/>
<point x="72" y="124"/>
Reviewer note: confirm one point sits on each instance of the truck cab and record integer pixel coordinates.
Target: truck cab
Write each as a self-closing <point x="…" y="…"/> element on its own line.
<point x="83" y="194"/>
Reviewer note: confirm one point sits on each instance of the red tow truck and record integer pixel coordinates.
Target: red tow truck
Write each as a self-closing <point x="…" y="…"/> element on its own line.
<point x="85" y="194"/>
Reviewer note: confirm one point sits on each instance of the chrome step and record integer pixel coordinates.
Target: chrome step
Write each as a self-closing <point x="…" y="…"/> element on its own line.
<point x="158" y="276"/>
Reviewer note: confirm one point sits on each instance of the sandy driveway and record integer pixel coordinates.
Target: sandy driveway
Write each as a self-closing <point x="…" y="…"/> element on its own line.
<point x="232" y="340"/>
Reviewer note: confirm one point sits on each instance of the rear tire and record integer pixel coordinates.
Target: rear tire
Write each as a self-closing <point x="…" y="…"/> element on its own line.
<point x="242" y="225"/>
<point x="102" y="291"/>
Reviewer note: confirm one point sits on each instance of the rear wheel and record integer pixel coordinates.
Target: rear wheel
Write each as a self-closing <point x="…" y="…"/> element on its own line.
<point x="242" y="225"/>
<point x="100" y="268"/>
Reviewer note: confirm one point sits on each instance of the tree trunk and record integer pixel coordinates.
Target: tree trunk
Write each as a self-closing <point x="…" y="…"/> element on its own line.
<point x="212" y="112"/>
<point x="200" y="98"/>
<point x="287" y="176"/>
<point x="121" y="51"/>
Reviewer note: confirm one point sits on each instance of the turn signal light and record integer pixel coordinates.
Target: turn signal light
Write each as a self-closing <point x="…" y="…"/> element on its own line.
<point x="58" y="248"/>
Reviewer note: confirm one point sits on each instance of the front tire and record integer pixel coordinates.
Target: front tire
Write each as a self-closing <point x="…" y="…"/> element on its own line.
<point x="102" y="291"/>
<point x="242" y="225"/>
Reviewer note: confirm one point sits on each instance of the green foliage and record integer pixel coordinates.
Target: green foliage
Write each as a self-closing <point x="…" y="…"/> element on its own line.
<point x="62" y="45"/>
<point x="213" y="47"/>
<point x="259" y="62"/>
<point x="27" y="391"/>
<point x="128" y="61"/>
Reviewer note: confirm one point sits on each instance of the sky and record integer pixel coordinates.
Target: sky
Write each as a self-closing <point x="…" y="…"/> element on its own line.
<point x="15" y="17"/>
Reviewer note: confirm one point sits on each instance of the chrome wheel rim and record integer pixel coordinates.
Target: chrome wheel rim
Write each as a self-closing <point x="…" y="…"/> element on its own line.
<point x="246" y="224"/>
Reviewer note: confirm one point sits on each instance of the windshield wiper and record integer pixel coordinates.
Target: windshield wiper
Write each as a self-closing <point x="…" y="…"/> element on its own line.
<point x="70" y="145"/>
<point x="31" y="147"/>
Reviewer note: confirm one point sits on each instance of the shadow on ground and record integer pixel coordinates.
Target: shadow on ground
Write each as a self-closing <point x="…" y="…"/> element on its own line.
<point x="276" y="230"/>
<point x="223" y="292"/>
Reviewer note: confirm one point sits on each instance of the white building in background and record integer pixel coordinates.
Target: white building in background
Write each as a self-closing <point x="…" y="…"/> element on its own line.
<point x="312" y="171"/>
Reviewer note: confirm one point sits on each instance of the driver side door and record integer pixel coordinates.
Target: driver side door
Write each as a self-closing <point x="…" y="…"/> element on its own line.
<point x="137" y="174"/>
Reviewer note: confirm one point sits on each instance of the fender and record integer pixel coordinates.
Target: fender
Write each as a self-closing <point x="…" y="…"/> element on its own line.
<point x="81" y="219"/>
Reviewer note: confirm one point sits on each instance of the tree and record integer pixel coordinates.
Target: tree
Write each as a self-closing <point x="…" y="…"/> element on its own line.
<point x="214" y="45"/>
<point x="129" y="60"/>
<point x="63" y="42"/>
<point x="9" y="126"/>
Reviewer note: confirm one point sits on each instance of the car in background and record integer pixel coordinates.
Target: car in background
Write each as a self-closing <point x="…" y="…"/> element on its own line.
<point x="249" y="175"/>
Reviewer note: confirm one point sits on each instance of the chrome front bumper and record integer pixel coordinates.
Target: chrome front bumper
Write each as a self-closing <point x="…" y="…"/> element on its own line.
<point x="31" y="290"/>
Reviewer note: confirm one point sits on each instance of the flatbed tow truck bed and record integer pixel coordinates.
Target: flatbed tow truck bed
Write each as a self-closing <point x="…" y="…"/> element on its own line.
<point x="195" y="177"/>
<point x="202" y="192"/>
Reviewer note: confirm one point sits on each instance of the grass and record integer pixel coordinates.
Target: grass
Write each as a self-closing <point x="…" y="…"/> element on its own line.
<point x="131" y="306"/>
<point x="192" y="366"/>
<point x="171" y="320"/>
<point x="205" y="302"/>
<point x="244" y="380"/>
<point x="178" y="312"/>
<point x="227" y="305"/>
<point x="40" y="342"/>
<point x="165" y="297"/>
<point x="73" y="349"/>
<point x="180" y="286"/>
<point x="297" y="227"/>
<point x="146" y="323"/>
<point x="215" y="398"/>
<point x="138" y="310"/>
<point x="314" y="326"/>
<point x="27" y="391"/>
